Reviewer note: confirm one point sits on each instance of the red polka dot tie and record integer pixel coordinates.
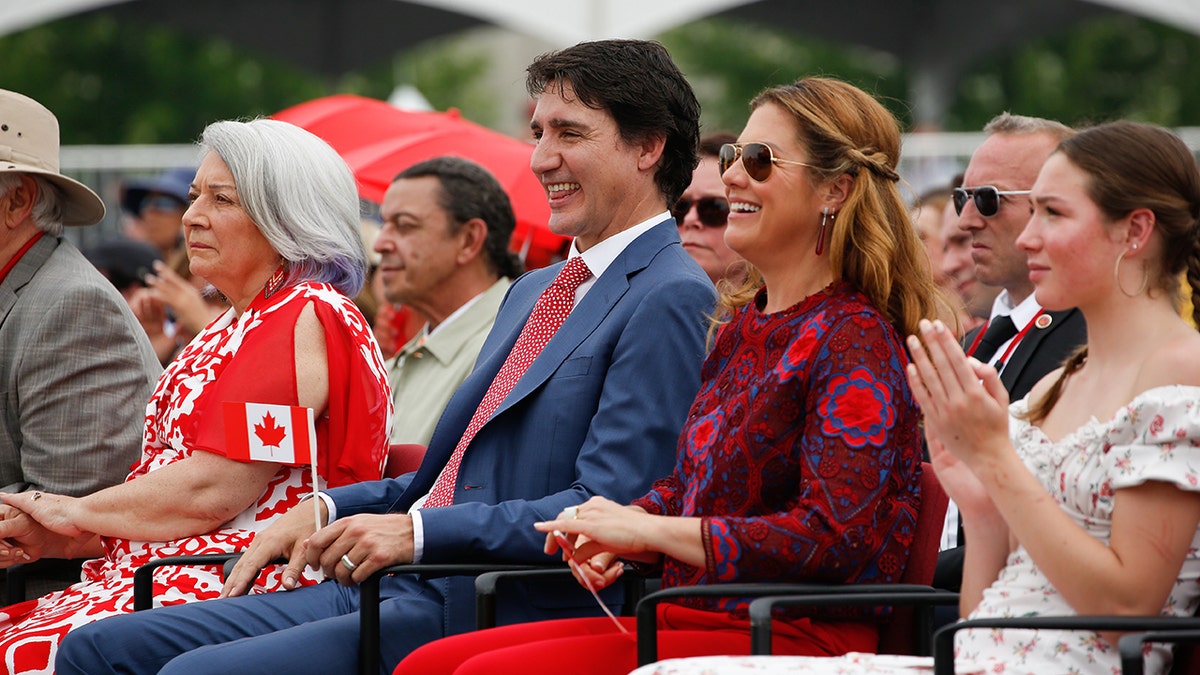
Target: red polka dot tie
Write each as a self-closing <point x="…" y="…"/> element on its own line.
<point x="548" y="315"/>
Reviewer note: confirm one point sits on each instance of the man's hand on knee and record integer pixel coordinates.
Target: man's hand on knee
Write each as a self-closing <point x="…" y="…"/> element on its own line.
<point x="283" y="538"/>
<point x="354" y="548"/>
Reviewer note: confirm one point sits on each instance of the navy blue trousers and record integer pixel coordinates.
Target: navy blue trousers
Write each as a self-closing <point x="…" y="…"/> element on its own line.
<point x="309" y="630"/>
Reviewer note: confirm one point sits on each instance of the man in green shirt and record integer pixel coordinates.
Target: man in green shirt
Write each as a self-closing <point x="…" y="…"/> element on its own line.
<point x="444" y="253"/>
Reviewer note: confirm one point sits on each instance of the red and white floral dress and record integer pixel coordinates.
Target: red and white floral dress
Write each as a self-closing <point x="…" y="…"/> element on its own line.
<point x="246" y="358"/>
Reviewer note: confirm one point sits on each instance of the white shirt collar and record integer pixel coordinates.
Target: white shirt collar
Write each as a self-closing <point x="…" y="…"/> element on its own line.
<point x="600" y="256"/>
<point x="1022" y="314"/>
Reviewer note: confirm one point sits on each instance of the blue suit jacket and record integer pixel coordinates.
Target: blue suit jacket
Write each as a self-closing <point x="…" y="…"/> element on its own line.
<point x="597" y="413"/>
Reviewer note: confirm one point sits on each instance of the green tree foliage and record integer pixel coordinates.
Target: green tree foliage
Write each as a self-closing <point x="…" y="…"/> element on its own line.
<point x="1109" y="68"/>
<point x="450" y="73"/>
<point x="112" y="83"/>
<point x="729" y="62"/>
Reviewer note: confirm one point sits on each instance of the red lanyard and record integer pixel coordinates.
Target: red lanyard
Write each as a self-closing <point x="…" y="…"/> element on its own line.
<point x="1011" y="345"/>
<point x="16" y="258"/>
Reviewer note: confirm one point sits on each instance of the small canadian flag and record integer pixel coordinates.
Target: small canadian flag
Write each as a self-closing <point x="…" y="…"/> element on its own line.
<point x="261" y="432"/>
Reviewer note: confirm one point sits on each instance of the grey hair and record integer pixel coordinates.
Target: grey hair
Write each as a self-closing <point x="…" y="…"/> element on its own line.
<point x="1008" y="123"/>
<point x="47" y="209"/>
<point x="300" y="194"/>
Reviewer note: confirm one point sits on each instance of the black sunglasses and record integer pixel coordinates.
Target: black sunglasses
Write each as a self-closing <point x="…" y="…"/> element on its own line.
<point x="712" y="211"/>
<point x="757" y="159"/>
<point x="986" y="197"/>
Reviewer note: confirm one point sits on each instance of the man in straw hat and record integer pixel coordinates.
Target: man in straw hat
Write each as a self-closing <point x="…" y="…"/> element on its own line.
<point x="76" y="368"/>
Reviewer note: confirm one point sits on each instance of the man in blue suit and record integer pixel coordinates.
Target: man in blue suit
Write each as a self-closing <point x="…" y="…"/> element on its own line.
<point x="597" y="412"/>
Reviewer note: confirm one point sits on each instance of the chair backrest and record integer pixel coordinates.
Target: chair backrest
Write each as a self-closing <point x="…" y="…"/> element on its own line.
<point x="1186" y="655"/>
<point x="403" y="458"/>
<point x="923" y="554"/>
<point x="902" y="633"/>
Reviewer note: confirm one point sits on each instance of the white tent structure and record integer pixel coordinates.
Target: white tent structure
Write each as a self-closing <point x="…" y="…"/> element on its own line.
<point x="938" y="39"/>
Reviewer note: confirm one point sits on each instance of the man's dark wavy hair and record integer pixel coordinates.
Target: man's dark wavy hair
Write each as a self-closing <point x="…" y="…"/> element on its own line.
<point x="637" y="83"/>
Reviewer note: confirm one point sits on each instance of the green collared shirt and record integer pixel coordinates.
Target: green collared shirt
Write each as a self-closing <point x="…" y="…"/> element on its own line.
<point x="427" y="371"/>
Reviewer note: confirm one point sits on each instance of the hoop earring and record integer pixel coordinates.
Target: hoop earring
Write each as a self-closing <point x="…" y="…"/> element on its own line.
<point x="826" y="217"/>
<point x="1117" y="277"/>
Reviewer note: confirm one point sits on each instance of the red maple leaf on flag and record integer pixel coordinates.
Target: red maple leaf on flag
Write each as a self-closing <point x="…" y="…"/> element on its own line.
<point x="269" y="432"/>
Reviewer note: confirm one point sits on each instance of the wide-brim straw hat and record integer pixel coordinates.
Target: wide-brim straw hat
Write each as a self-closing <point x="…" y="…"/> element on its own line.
<point x="29" y="144"/>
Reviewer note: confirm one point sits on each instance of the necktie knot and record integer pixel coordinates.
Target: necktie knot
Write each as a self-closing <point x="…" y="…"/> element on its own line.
<point x="574" y="273"/>
<point x="999" y="330"/>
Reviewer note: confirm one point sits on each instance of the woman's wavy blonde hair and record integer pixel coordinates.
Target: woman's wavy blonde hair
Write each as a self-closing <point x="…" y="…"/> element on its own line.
<point x="872" y="244"/>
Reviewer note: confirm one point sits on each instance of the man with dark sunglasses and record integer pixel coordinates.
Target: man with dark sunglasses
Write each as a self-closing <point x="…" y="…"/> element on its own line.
<point x="1023" y="341"/>
<point x="959" y="268"/>
<point x="702" y="212"/>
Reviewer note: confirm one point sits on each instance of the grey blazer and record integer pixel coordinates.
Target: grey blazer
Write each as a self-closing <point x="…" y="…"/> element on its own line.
<point x="76" y="371"/>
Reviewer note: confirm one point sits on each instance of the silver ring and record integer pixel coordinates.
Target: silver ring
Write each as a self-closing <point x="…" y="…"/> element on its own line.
<point x="348" y="563"/>
<point x="37" y="496"/>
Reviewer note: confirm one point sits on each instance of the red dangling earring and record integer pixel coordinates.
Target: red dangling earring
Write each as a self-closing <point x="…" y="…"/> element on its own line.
<point x="825" y="218"/>
<point x="273" y="283"/>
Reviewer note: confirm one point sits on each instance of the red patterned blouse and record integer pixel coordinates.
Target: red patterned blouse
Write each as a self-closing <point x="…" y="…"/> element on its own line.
<point x="801" y="452"/>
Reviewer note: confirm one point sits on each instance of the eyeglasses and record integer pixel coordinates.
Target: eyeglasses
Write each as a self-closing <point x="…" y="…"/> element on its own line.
<point x="757" y="159"/>
<point x="161" y="203"/>
<point x="712" y="211"/>
<point x="986" y="197"/>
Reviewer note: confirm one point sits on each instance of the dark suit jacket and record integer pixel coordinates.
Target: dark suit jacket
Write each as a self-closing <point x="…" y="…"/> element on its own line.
<point x="1041" y="351"/>
<point x="597" y="413"/>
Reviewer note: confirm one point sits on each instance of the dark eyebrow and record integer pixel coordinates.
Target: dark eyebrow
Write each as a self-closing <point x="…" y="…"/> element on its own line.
<point x="559" y="123"/>
<point x="402" y="213"/>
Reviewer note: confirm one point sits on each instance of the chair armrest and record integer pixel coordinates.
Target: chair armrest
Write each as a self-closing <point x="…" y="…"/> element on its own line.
<point x="486" y="586"/>
<point x="943" y="640"/>
<point x="368" y="604"/>
<point x="143" y="577"/>
<point x="647" y="609"/>
<point x="1130" y="644"/>
<point x="859" y="595"/>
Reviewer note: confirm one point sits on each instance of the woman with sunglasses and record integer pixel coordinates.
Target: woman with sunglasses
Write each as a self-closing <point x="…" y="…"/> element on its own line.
<point x="801" y="455"/>
<point x="1084" y="497"/>
<point x="702" y="212"/>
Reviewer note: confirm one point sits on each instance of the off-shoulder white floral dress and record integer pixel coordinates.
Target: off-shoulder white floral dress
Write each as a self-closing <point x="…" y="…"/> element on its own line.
<point x="1156" y="437"/>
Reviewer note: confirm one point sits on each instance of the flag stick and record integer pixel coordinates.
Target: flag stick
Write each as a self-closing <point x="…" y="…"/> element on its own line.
<point x="316" y="500"/>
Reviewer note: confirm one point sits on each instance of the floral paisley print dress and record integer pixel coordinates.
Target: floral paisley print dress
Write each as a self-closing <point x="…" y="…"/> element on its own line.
<point x="801" y="452"/>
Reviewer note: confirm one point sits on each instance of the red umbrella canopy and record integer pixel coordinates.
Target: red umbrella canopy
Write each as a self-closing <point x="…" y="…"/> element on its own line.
<point x="378" y="141"/>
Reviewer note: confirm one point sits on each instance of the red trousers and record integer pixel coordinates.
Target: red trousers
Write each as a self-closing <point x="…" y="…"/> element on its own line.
<point x="596" y="647"/>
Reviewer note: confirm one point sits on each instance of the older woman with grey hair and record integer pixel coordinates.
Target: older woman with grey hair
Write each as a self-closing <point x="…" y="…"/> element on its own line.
<point x="273" y="226"/>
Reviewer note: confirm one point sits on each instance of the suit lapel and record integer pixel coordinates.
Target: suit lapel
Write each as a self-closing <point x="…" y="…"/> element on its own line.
<point x="23" y="271"/>
<point x="591" y="311"/>
<point x="1028" y="347"/>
